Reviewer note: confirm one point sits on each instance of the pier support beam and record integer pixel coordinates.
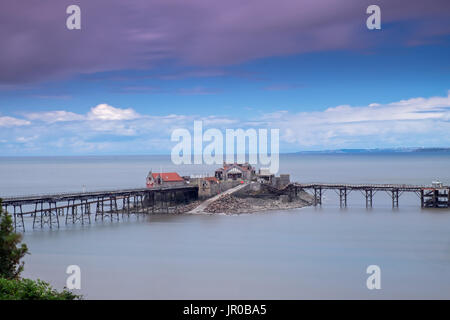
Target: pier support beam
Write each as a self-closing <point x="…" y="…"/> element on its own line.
<point x="35" y="214"/>
<point x="99" y="211"/>
<point x="48" y="215"/>
<point x="79" y="212"/>
<point x="435" y="198"/>
<point x="317" y="196"/>
<point x="114" y="211"/>
<point x="18" y="219"/>
<point x="395" y="197"/>
<point x="71" y="212"/>
<point x="85" y="211"/>
<point x="343" y="198"/>
<point x="369" y="197"/>
<point x="422" y="199"/>
<point x="448" y="198"/>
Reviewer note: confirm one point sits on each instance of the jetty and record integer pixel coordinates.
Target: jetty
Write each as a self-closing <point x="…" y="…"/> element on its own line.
<point x="54" y="209"/>
<point x="430" y="196"/>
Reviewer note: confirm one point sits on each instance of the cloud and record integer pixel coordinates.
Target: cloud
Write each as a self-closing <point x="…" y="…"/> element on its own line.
<point x="101" y="112"/>
<point x="144" y="34"/>
<point x="216" y="121"/>
<point x="26" y="139"/>
<point x="13" y="122"/>
<point x="413" y="121"/>
<point x="106" y="129"/>
<point x="107" y="112"/>
<point x="55" y="116"/>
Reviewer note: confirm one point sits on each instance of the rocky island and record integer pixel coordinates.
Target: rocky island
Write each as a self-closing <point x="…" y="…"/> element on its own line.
<point x="253" y="197"/>
<point x="231" y="204"/>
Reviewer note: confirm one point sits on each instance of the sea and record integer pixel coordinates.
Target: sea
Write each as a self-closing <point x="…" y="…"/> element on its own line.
<point x="318" y="252"/>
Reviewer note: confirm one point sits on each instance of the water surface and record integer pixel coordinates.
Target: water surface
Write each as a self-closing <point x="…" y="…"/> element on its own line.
<point x="303" y="253"/>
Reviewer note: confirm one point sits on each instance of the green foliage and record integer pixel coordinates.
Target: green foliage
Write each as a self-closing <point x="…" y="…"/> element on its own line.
<point x="10" y="251"/>
<point x="27" y="289"/>
<point x="12" y="287"/>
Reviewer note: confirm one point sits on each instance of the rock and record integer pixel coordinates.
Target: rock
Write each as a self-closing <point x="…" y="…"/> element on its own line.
<point x="228" y="204"/>
<point x="186" y="208"/>
<point x="231" y="204"/>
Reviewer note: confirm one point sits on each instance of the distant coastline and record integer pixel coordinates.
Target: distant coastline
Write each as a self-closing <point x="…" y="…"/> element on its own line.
<point x="100" y="157"/>
<point x="378" y="150"/>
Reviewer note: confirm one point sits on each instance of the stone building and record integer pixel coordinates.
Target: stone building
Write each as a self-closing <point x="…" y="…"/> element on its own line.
<point x="164" y="179"/>
<point x="207" y="186"/>
<point x="235" y="171"/>
<point x="264" y="176"/>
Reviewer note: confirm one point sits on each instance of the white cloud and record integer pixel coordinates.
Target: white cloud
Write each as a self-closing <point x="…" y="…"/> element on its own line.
<point x="101" y="112"/>
<point x="412" y="122"/>
<point x="406" y="119"/>
<point x="26" y="139"/>
<point x="13" y="122"/>
<point x="107" y="112"/>
<point x="112" y="127"/>
<point x="55" y="116"/>
<point x="218" y="121"/>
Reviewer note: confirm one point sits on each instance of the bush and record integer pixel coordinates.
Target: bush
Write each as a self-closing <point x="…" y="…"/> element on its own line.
<point x="27" y="289"/>
<point x="10" y="251"/>
<point x="12" y="287"/>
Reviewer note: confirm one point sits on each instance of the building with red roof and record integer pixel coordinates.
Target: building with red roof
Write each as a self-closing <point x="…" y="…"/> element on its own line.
<point x="158" y="179"/>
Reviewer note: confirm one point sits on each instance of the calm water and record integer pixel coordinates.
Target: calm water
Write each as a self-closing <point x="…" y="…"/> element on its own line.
<point x="294" y="254"/>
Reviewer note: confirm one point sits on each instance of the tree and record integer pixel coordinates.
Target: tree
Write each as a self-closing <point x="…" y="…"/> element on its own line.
<point x="27" y="289"/>
<point x="10" y="251"/>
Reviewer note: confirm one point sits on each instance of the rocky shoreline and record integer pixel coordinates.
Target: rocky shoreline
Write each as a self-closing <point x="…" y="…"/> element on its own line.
<point x="247" y="201"/>
<point x="186" y="207"/>
<point x="231" y="204"/>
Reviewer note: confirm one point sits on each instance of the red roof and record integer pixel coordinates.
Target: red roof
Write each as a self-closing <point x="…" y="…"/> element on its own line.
<point x="168" y="176"/>
<point x="212" y="179"/>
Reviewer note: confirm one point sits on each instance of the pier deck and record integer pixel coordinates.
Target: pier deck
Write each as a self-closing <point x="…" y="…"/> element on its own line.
<point x="73" y="207"/>
<point x="77" y="207"/>
<point x="430" y="197"/>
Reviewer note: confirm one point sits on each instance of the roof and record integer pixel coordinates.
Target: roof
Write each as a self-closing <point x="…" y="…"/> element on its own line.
<point x="240" y="166"/>
<point x="212" y="179"/>
<point x="265" y="172"/>
<point x="168" y="176"/>
<point x="235" y="170"/>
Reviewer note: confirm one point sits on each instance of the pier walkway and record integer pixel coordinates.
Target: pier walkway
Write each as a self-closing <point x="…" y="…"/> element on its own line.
<point x="52" y="209"/>
<point x="200" y="209"/>
<point x="430" y="197"/>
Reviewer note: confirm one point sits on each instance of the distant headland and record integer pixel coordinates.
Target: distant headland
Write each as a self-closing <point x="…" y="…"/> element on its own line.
<point x="377" y="150"/>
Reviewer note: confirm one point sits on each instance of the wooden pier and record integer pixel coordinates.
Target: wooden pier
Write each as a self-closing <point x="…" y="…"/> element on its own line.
<point x="54" y="209"/>
<point x="430" y="197"/>
<point x="69" y="208"/>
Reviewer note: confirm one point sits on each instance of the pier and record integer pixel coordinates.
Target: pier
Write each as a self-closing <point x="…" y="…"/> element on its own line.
<point x="430" y="197"/>
<point x="52" y="210"/>
<point x="69" y="208"/>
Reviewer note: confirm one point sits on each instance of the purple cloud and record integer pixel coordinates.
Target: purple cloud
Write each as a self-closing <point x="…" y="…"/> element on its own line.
<point x="141" y="34"/>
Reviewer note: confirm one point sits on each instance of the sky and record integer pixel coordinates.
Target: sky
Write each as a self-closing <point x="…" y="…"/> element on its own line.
<point x="137" y="70"/>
